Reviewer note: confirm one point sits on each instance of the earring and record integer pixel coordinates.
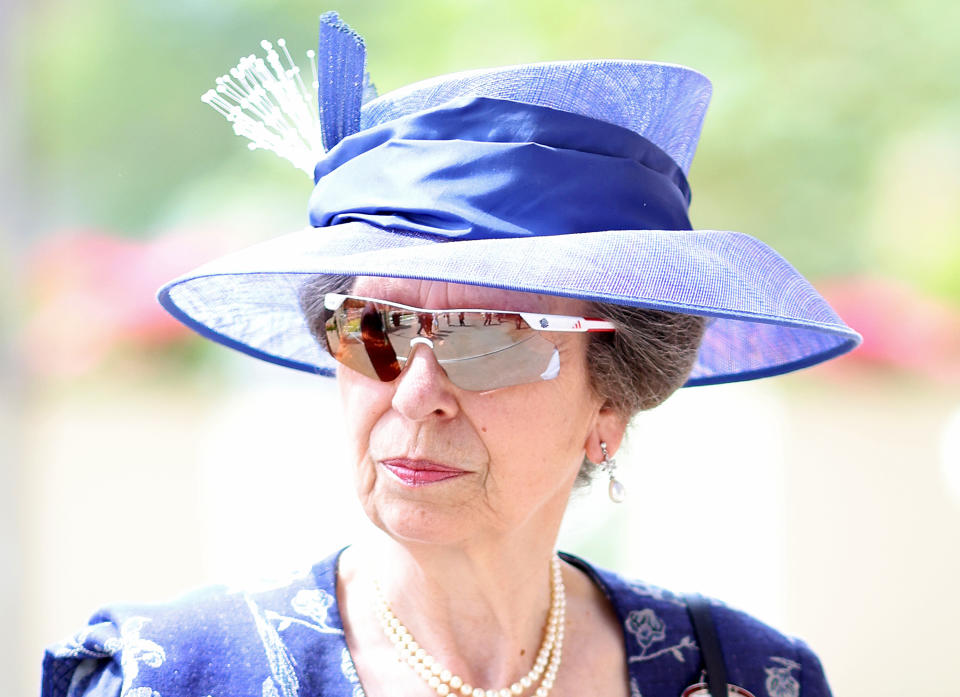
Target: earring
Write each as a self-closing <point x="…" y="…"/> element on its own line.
<point x="616" y="490"/>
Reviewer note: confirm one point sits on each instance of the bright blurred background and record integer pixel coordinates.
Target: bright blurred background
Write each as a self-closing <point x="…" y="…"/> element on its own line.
<point x="137" y="462"/>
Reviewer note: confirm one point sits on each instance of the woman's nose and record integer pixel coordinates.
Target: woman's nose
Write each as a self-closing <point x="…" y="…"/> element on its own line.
<point x="423" y="389"/>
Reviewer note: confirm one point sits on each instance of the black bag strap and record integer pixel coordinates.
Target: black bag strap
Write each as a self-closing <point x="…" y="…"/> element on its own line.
<point x="709" y="643"/>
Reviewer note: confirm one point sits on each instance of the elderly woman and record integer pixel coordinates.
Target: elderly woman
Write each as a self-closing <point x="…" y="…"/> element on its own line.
<point x="544" y="207"/>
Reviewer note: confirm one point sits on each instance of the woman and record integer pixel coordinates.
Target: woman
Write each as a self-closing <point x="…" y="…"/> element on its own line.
<point x="553" y="197"/>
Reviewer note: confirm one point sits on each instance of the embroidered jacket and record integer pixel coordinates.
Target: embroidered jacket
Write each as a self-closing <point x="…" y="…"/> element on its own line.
<point x="288" y="642"/>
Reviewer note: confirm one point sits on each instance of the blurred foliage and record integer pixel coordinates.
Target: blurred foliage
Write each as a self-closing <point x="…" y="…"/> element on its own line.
<point x="832" y="135"/>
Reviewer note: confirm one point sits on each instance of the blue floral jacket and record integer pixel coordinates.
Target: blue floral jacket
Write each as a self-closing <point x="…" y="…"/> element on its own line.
<point x="288" y="642"/>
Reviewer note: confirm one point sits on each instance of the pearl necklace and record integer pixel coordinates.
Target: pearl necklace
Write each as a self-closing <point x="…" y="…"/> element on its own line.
<point x="446" y="683"/>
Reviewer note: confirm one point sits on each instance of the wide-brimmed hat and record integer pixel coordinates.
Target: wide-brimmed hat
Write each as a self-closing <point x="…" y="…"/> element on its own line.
<point x="564" y="178"/>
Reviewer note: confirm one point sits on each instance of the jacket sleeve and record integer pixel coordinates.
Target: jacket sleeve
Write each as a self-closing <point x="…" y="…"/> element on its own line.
<point x="813" y="681"/>
<point x="86" y="665"/>
<point x="764" y="661"/>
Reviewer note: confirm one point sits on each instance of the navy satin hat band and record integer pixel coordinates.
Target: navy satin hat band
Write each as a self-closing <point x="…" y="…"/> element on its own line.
<point x="480" y="168"/>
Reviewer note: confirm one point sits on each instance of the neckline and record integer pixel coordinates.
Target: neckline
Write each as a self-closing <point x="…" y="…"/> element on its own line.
<point x="328" y="579"/>
<point x="598" y="579"/>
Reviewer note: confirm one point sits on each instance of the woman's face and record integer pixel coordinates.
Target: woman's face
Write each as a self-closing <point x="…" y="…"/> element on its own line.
<point x="439" y="464"/>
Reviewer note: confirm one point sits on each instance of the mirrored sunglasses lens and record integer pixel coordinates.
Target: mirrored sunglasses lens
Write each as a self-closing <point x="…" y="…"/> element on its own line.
<point x="529" y="361"/>
<point x="478" y="350"/>
<point x="493" y="350"/>
<point x="357" y="337"/>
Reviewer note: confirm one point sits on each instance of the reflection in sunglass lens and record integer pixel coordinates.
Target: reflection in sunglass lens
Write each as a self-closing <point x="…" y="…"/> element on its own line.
<point x="478" y="350"/>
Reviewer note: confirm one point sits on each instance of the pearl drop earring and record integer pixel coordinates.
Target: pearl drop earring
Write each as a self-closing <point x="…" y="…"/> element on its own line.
<point x="615" y="490"/>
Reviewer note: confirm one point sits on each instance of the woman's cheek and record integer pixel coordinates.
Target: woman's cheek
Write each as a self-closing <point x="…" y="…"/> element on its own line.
<point x="361" y="411"/>
<point x="365" y="476"/>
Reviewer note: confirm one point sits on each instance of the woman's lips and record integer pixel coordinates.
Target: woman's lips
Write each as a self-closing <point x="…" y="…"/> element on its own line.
<point x="420" y="472"/>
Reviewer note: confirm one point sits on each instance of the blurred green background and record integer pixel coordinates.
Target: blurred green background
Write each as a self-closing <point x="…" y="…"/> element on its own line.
<point x="833" y="136"/>
<point x="832" y="133"/>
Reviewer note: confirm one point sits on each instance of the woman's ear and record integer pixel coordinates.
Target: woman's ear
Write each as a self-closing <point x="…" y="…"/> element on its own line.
<point x="609" y="427"/>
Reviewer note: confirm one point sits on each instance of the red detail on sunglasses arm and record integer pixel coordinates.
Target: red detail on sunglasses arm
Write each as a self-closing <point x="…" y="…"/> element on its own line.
<point x="605" y="325"/>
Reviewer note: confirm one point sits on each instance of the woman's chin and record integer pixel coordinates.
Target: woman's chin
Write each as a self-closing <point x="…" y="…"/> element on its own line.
<point x="418" y="518"/>
<point x="422" y="527"/>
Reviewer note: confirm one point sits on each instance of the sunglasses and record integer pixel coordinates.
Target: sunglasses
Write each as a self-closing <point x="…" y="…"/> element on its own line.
<point x="478" y="349"/>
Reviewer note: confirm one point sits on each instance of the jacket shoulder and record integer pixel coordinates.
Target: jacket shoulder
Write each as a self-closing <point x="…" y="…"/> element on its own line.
<point x="760" y="656"/>
<point x="663" y="652"/>
<point x="216" y="641"/>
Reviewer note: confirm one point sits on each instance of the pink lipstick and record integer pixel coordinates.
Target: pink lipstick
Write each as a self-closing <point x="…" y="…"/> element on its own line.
<point x="420" y="472"/>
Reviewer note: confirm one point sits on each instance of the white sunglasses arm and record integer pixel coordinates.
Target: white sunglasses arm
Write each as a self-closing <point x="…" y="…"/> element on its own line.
<point x="563" y="323"/>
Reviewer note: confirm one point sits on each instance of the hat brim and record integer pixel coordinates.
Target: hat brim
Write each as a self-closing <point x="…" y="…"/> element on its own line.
<point x="765" y="318"/>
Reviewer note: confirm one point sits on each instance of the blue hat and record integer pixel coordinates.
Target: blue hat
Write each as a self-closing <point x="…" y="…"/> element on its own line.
<point x="563" y="178"/>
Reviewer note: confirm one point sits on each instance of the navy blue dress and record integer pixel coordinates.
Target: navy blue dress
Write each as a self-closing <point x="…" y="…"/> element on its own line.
<point x="288" y="642"/>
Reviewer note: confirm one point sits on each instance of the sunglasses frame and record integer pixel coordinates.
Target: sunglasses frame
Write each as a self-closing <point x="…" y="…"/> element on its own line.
<point x="535" y="320"/>
<point x="391" y="366"/>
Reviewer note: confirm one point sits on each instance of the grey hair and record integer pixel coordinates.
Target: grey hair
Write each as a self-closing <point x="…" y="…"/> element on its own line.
<point x="638" y="366"/>
<point x="311" y="299"/>
<point x="632" y="369"/>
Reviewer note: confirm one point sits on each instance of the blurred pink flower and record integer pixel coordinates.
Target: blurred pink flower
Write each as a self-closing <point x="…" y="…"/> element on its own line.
<point x="89" y="293"/>
<point x="901" y="327"/>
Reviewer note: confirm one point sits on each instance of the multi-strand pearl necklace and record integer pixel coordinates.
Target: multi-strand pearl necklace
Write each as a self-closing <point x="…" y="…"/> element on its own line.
<point x="446" y="683"/>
